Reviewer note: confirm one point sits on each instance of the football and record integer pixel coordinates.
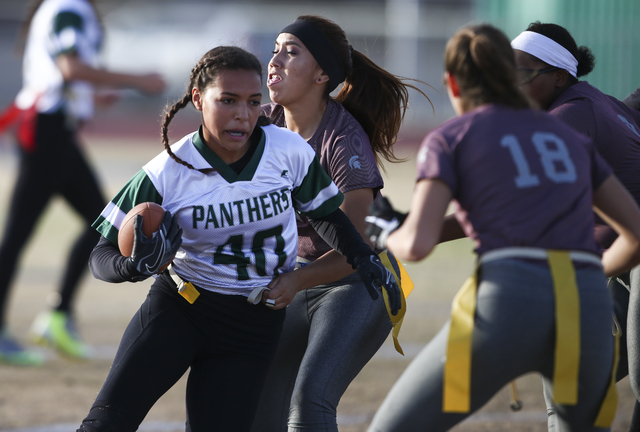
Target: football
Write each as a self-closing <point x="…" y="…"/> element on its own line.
<point x="152" y="215"/>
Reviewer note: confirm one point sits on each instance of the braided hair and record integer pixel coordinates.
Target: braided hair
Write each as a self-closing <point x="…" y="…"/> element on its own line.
<point x="204" y="74"/>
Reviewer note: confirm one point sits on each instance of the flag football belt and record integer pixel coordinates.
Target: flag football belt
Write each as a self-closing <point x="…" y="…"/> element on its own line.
<point x="457" y="369"/>
<point x="191" y="293"/>
<point x="404" y="282"/>
<point x="185" y="289"/>
<point x="406" y="286"/>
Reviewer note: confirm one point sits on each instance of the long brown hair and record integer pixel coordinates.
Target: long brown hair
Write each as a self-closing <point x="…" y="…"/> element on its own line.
<point x="203" y="74"/>
<point x="482" y="61"/>
<point x="377" y="99"/>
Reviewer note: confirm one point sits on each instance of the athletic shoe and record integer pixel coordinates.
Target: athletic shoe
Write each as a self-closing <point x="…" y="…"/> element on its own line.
<point x="11" y="352"/>
<point x="57" y="330"/>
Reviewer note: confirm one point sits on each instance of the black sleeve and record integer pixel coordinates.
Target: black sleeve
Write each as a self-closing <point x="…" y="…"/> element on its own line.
<point x="337" y="230"/>
<point x="108" y="264"/>
<point x="633" y="100"/>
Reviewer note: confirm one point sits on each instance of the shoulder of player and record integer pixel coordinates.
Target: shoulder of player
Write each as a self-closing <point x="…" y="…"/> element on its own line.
<point x="282" y="138"/>
<point x="339" y="128"/>
<point x="182" y="148"/>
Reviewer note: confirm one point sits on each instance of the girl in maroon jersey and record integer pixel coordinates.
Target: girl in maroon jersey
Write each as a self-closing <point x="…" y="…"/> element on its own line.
<point x="549" y="64"/>
<point x="523" y="184"/>
<point x="332" y="328"/>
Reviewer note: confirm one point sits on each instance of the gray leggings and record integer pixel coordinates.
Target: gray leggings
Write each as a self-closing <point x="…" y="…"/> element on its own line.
<point x="625" y="294"/>
<point x="329" y="334"/>
<point x="514" y="334"/>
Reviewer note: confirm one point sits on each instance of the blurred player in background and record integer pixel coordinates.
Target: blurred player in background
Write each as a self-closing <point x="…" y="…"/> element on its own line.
<point x="524" y="184"/>
<point x="549" y="64"/>
<point x="331" y="331"/>
<point x="234" y="187"/>
<point x="62" y="40"/>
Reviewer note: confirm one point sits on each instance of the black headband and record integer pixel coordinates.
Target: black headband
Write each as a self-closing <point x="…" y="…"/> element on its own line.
<point x="320" y="48"/>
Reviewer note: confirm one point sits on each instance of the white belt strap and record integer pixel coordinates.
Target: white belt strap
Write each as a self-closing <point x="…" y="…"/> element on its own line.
<point x="177" y="279"/>
<point x="536" y="253"/>
<point x="256" y="295"/>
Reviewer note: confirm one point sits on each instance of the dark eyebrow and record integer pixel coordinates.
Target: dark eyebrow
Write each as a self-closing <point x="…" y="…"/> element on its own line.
<point x="236" y="95"/>
<point x="289" y="43"/>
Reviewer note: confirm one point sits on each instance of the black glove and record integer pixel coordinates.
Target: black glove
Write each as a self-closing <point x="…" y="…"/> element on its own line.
<point x="375" y="277"/>
<point x="150" y="254"/>
<point x="381" y="222"/>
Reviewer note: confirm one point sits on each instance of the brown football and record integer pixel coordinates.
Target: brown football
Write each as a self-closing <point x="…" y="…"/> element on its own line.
<point x="152" y="215"/>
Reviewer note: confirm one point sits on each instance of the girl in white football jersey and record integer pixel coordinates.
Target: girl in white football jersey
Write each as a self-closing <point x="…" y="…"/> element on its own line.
<point x="60" y="69"/>
<point x="523" y="185"/>
<point x="231" y="191"/>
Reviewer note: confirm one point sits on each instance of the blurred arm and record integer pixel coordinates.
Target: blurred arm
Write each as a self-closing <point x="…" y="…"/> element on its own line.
<point x="73" y="69"/>
<point x="613" y="203"/>
<point x="421" y="230"/>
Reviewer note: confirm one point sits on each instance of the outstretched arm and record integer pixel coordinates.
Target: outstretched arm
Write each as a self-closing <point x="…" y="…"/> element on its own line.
<point x="339" y="232"/>
<point x="421" y="230"/>
<point x="73" y="69"/>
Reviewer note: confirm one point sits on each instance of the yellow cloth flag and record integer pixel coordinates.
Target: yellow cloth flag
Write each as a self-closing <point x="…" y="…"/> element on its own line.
<point x="406" y="286"/>
<point x="567" y="352"/>
<point x="457" y="368"/>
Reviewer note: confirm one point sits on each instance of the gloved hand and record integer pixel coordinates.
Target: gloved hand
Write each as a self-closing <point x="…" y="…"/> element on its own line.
<point x="376" y="277"/>
<point x="382" y="221"/>
<point x="151" y="254"/>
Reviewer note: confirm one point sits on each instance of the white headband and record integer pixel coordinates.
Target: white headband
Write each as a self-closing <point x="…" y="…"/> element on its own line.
<point x="547" y="50"/>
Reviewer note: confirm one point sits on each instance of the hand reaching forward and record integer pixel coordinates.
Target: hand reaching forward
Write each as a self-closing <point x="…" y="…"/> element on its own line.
<point x="381" y="222"/>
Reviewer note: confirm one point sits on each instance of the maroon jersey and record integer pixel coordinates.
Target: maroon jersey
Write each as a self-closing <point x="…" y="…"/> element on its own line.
<point x="615" y="130"/>
<point x="345" y="153"/>
<point x="518" y="178"/>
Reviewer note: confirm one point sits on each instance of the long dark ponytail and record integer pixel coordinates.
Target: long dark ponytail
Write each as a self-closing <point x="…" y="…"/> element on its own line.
<point x="377" y="99"/>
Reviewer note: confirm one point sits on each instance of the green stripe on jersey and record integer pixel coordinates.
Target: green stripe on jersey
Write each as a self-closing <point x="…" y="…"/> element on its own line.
<point x="314" y="181"/>
<point x="329" y="206"/>
<point x="317" y="183"/>
<point x="137" y="190"/>
<point x="67" y="19"/>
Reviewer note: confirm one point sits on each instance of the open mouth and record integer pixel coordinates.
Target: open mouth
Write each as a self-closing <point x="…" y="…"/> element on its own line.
<point x="236" y="134"/>
<point x="273" y="79"/>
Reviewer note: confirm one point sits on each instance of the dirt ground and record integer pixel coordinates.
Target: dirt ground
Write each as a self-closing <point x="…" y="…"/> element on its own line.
<point x="58" y="395"/>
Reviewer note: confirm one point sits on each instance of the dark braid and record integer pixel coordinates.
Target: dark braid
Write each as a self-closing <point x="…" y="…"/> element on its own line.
<point x="202" y="75"/>
<point x="169" y="114"/>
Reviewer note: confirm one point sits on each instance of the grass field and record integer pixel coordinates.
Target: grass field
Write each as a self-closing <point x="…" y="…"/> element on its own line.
<point x="58" y="395"/>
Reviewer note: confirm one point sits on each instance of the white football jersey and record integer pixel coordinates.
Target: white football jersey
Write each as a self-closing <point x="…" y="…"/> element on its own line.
<point x="239" y="230"/>
<point x="59" y="26"/>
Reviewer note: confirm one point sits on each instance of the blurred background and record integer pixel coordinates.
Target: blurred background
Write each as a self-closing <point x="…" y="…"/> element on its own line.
<point x="406" y="37"/>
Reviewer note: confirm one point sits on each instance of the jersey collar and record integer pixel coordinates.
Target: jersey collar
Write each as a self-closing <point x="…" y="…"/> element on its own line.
<point x="221" y="167"/>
